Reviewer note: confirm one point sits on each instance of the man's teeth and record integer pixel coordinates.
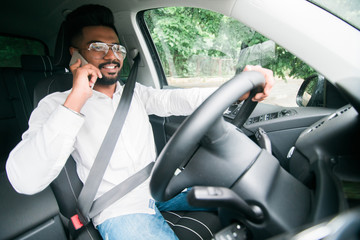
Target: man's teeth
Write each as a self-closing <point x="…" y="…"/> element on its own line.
<point x="110" y="67"/>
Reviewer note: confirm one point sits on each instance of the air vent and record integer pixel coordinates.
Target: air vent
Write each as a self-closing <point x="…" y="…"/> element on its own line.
<point x="332" y="116"/>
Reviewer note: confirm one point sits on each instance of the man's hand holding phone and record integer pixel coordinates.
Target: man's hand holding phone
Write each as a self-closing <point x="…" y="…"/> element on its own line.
<point x="84" y="78"/>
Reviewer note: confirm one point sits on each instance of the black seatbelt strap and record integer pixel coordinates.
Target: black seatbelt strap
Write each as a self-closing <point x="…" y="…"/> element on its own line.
<point x="92" y="183"/>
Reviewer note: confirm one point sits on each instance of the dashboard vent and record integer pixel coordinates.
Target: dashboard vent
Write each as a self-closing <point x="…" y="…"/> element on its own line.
<point x="332" y="116"/>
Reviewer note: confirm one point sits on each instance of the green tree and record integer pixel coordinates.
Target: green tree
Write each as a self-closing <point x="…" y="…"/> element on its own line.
<point x="180" y="33"/>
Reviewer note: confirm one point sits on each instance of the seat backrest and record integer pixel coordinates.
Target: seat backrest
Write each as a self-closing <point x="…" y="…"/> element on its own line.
<point x="16" y="94"/>
<point x="55" y="83"/>
<point x="16" y="98"/>
<point x="10" y="129"/>
<point x="34" y="69"/>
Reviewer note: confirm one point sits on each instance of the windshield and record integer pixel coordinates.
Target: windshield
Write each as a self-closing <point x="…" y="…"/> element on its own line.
<point x="348" y="10"/>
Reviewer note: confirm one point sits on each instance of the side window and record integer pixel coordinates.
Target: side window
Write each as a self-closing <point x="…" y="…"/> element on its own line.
<point x="201" y="48"/>
<point x="125" y="70"/>
<point x="11" y="49"/>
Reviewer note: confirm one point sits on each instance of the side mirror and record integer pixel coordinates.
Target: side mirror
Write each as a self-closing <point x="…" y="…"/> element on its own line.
<point x="312" y="92"/>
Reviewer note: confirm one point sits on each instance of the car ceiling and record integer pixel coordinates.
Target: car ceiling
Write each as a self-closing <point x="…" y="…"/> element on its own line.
<point x="37" y="16"/>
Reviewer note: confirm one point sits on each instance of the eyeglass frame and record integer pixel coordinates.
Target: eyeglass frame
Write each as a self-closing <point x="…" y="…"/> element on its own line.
<point x="122" y="49"/>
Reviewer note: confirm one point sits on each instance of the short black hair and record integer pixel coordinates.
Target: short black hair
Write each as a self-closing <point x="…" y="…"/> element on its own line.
<point x="86" y="16"/>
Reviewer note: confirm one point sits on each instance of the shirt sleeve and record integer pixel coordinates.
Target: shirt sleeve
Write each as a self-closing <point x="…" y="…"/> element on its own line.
<point x="38" y="159"/>
<point x="168" y="102"/>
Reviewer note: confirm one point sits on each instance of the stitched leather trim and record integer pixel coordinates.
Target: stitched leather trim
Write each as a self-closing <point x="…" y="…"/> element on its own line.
<point x="186" y="217"/>
<point x="182" y="226"/>
<point x="70" y="183"/>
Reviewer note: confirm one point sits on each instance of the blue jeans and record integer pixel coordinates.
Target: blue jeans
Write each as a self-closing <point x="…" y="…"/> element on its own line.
<point x="142" y="226"/>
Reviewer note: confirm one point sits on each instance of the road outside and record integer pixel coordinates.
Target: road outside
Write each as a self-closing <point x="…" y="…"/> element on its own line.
<point x="284" y="92"/>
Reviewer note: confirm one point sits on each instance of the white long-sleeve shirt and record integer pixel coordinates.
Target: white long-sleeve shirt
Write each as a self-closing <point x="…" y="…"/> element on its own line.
<point x="55" y="132"/>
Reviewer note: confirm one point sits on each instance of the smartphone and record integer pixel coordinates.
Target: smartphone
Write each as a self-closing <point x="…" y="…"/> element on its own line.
<point x="76" y="55"/>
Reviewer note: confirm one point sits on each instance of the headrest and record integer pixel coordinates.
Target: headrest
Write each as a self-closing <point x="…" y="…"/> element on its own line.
<point x="62" y="55"/>
<point x="37" y="63"/>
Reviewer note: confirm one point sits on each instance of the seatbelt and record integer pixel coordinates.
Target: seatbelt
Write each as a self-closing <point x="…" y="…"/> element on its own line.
<point x="86" y="206"/>
<point x="120" y="190"/>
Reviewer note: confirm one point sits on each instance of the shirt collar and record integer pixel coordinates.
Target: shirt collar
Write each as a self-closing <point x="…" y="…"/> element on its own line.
<point x="118" y="90"/>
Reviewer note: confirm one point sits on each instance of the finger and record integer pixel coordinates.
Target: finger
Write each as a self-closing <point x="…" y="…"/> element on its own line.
<point x="75" y="66"/>
<point x="92" y="81"/>
<point x="265" y="93"/>
<point x="95" y="74"/>
<point x="92" y="74"/>
<point x="259" y="97"/>
<point x="99" y="74"/>
<point x="248" y="68"/>
<point x="95" y="70"/>
<point x="85" y="75"/>
<point x="269" y="81"/>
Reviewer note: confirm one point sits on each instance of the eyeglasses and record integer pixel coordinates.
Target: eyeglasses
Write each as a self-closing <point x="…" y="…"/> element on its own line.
<point x="98" y="50"/>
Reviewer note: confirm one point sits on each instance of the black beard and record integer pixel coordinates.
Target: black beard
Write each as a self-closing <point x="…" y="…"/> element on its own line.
<point x="106" y="81"/>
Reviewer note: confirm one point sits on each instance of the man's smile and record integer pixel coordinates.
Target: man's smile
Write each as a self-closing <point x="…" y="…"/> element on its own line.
<point x="110" y="68"/>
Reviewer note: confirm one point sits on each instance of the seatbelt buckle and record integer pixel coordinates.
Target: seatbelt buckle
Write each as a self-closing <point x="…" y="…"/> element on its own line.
<point x="76" y="225"/>
<point x="76" y="222"/>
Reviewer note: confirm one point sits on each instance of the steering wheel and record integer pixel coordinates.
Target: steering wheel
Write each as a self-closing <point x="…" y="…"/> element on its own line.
<point x="204" y="143"/>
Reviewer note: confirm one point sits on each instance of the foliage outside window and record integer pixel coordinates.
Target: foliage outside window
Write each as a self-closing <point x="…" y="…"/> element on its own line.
<point x="125" y="70"/>
<point x="199" y="43"/>
<point x="11" y="49"/>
